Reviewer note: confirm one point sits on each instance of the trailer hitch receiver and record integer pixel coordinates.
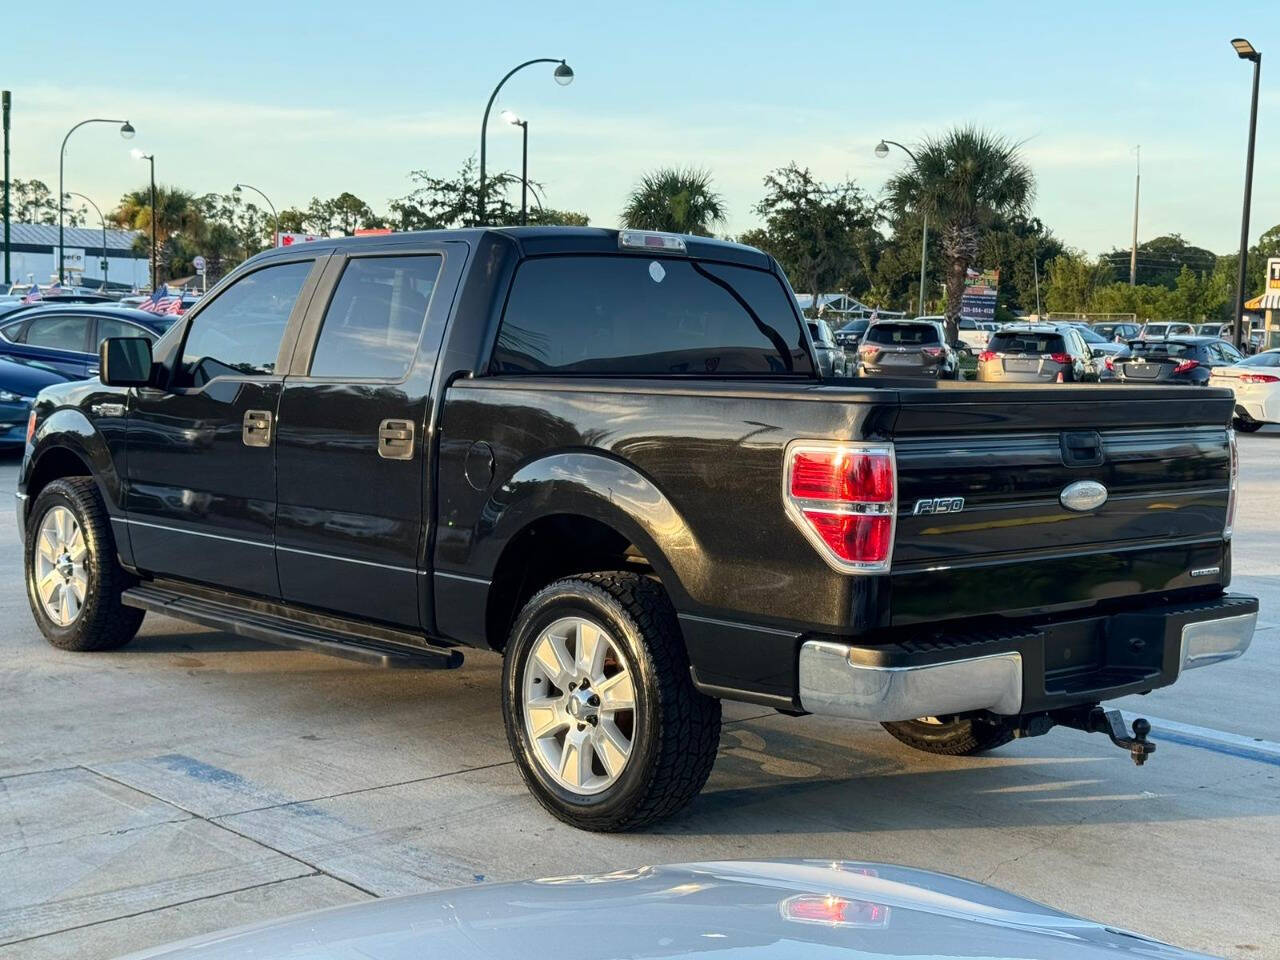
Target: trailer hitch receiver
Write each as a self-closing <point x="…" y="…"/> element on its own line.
<point x="1111" y="722"/>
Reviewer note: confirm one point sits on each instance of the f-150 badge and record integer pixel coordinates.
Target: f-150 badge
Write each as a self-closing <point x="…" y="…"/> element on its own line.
<point x="939" y="505"/>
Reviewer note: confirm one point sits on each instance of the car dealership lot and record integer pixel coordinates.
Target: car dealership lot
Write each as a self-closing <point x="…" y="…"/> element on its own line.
<point x="195" y="780"/>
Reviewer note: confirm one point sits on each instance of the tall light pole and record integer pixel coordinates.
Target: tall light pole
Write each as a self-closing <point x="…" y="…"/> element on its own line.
<point x="563" y="75"/>
<point x="126" y="131"/>
<point x="6" y="100"/>
<point x="1133" y="253"/>
<point x="1244" y="49"/>
<point x="882" y="151"/>
<point x="103" y="221"/>
<point x="275" y="217"/>
<point x="515" y="121"/>
<point x="151" y="159"/>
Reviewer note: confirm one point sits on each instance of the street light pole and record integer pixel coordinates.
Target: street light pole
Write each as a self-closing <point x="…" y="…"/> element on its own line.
<point x="126" y="131"/>
<point x="1133" y="253"/>
<point x="103" y="221"/>
<point x="275" y="217"/>
<point x="151" y="159"/>
<point x="563" y="75"/>
<point x="515" y="121"/>
<point x="7" y="99"/>
<point x="882" y="151"/>
<point x="1245" y="50"/>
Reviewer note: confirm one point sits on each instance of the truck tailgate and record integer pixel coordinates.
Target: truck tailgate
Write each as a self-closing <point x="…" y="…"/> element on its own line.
<point x="1013" y="548"/>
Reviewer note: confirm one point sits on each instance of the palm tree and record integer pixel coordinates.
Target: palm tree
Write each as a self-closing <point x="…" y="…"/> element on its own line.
<point x="177" y="213"/>
<point x="964" y="180"/>
<point x="678" y="201"/>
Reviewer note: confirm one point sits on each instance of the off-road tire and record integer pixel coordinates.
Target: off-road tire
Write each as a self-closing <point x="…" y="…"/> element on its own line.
<point x="677" y="729"/>
<point x="104" y="623"/>
<point x="1246" y="426"/>
<point x="954" y="737"/>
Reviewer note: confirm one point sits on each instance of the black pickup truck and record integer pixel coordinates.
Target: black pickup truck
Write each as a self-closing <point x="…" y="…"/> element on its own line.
<point x="608" y="456"/>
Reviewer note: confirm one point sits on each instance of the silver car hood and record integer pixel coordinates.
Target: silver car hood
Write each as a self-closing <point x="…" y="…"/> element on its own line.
<point x="742" y="910"/>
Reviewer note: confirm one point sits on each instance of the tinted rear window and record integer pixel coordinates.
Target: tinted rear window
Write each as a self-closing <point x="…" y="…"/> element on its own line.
<point x="1162" y="348"/>
<point x="906" y="334"/>
<point x="1027" y="343"/>
<point x="635" y="315"/>
<point x="1264" y="360"/>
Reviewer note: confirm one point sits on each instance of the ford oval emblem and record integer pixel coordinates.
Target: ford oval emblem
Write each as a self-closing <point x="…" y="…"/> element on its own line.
<point x="1083" y="495"/>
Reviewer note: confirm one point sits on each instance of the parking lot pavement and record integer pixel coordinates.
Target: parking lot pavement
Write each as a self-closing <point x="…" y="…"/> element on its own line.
<point x="196" y="780"/>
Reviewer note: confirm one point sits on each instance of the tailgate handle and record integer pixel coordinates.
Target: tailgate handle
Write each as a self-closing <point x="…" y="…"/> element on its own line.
<point x="1081" y="449"/>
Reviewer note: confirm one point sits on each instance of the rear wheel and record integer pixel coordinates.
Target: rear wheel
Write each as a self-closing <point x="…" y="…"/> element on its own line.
<point x="1246" y="426"/>
<point x="951" y="736"/>
<point x="73" y="579"/>
<point x="603" y="719"/>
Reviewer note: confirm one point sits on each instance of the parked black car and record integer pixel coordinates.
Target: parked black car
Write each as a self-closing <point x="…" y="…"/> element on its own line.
<point x="20" y="381"/>
<point x="608" y="456"/>
<point x="850" y="335"/>
<point x="1186" y="360"/>
<point x="66" y="336"/>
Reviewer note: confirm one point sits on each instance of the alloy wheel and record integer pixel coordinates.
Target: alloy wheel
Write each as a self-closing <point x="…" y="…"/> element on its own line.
<point x="61" y="578"/>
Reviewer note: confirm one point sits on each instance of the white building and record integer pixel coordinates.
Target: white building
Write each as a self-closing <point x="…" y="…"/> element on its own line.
<point x="33" y="256"/>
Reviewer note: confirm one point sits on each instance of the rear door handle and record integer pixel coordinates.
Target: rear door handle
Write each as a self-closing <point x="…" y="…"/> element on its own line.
<point x="256" y="430"/>
<point x="395" y="440"/>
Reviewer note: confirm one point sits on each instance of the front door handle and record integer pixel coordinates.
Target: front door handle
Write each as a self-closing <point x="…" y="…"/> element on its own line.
<point x="395" y="439"/>
<point x="256" y="431"/>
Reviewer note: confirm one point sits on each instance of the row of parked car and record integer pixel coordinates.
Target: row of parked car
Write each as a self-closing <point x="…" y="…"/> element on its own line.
<point x="1045" y="352"/>
<point x="55" y="340"/>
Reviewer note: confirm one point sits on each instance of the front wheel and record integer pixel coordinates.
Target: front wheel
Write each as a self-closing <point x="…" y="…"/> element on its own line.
<point x="73" y="579"/>
<point x="951" y="736"/>
<point x="603" y="719"/>
<point x="1246" y="426"/>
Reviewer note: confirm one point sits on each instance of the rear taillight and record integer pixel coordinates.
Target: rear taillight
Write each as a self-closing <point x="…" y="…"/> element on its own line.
<point x="986" y="355"/>
<point x="1063" y="358"/>
<point x="1259" y="378"/>
<point x="1231" y="490"/>
<point x="843" y="497"/>
<point x="933" y="352"/>
<point x="833" y="911"/>
<point x="1186" y="365"/>
<point x="1110" y="362"/>
<point x="868" y="351"/>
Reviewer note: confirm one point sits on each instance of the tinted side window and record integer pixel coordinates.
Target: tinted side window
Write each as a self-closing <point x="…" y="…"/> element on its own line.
<point x="375" y="318"/>
<point x="240" y="332"/>
<point x="113" y="327"/>
<point x="635" y="315"/>
<point x="60" y="333"/>
<point x="12" y="331"/>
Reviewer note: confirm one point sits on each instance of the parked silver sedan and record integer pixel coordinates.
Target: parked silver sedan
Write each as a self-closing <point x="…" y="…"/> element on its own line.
<point x="779" y="910"/>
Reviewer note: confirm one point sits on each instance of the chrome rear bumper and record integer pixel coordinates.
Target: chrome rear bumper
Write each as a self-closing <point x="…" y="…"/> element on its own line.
<point x="844" y="680"/>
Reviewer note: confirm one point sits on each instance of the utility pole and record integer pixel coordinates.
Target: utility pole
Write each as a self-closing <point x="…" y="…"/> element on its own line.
<point x="1035" y="269"/>
<point x="1137" y="186"/>
<point x="6" y="98"/>
<point x="1245" y="50"/>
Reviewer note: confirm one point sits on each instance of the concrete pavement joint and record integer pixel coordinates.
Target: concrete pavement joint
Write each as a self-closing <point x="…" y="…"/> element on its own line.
<point x="222" y="826"/>
<point x="167" y="906"/>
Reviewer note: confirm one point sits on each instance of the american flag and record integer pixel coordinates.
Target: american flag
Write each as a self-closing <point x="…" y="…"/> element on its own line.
<point x="162" y="301"/>
<point x="34" y="293"/>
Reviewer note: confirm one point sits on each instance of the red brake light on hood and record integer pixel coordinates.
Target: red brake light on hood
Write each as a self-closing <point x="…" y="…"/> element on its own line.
<point x="843" y="497"/>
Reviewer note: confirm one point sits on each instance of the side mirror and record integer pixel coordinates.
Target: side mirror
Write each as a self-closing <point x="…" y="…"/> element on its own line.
<point x="125" y="361"/>
<point x="1098" y="353"/>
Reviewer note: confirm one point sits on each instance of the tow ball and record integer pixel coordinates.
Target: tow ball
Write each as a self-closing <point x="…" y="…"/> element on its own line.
<point x="1111" y="722"/>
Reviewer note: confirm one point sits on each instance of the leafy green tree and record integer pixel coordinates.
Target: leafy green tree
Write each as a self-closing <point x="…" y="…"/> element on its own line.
<point x="179" y="218"/>
<point x="293" y="220"/>
<point x="1019" y="247"/>
<point x="31" y="201"/>
<point x="965" y="181"/>
<point x="1072" y="281"/>
<point x="675" y="200"/>
<point x="823" y="235"/>
<point x="1161" y="260"/>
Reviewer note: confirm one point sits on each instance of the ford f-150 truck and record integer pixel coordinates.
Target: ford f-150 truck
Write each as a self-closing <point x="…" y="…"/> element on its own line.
<point x="608" y="456"/>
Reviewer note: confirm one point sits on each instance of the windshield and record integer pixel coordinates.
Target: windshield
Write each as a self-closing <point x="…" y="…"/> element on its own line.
<point x="904" y="334"/>
<point x="1269" y="359"/>
<point x="1155" y="329"/>
<point x="1090" y="335"/>
<point x="1026" y="341"/>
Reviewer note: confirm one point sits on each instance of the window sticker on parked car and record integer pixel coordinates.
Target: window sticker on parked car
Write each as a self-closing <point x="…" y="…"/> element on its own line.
<point x="656" y="271"/>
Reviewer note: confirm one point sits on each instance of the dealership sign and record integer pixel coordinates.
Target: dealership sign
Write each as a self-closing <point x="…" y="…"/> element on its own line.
<point x="73" y="260"/>
<point x="981" y="287"/>
<point x="293" y="239"/>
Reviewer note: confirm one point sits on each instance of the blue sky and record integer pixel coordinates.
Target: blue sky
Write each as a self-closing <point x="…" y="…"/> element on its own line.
<point x="314" y="98"/>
